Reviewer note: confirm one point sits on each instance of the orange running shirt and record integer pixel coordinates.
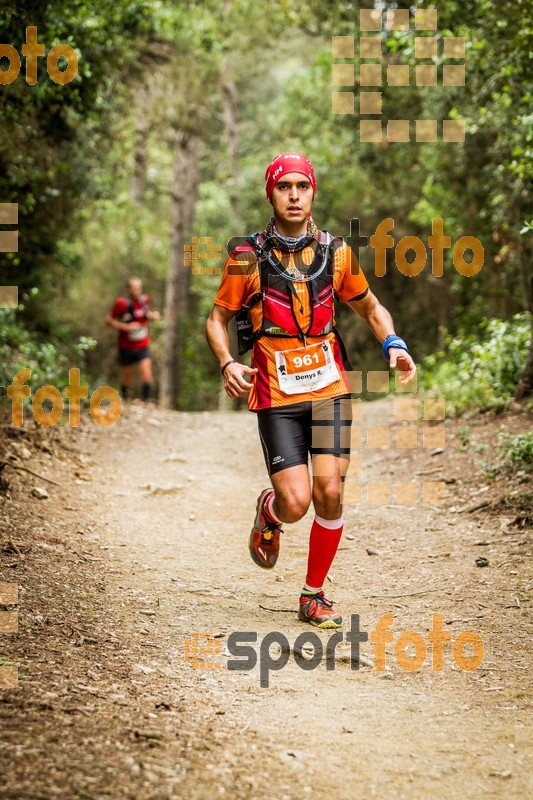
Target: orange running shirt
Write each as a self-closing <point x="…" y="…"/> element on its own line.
<point x="241" y="281"/>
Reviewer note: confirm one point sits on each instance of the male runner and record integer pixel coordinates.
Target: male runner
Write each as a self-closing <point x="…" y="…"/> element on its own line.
<point x="299" y="388"/>
<point x="130" y="316"/>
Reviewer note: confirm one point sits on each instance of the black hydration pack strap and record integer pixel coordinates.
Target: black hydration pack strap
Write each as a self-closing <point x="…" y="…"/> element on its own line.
<point x="130" y="303"/>
<point x="245" y="333"/>
<point x="322" y="252"/>
<point x="322" y="257"/>
<point x="342" y="347"/>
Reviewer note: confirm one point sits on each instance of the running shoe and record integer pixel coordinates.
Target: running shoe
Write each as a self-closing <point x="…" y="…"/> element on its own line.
<point x="264" y="538"/>
<point x="318" y="610"/>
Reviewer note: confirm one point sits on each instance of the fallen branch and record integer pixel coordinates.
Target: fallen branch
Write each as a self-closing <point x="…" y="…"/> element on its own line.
<point x="493" y="669"/>
<point x="488" y="543"/>
<point x="278" y="610"/>
<point x="408" y="594"/>
<point x="429" y="471"/>
<point x="13" y="546"/>
<point x="516" y="604"/>
<point x="75" y="709"/>
<point x="477" y="506"/>
<point x="145" y="734"/>
<point x="503" y="563"/>
<point x="27" y="469"/>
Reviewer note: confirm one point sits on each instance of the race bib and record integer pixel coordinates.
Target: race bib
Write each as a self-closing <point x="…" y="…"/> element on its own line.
<point x="137" y="334"/>
<point x="306" y="369"/>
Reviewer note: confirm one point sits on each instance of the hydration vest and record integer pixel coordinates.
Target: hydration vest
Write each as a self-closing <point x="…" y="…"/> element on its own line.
<point x="277" y="292"/>
<point x="129" y="315"/>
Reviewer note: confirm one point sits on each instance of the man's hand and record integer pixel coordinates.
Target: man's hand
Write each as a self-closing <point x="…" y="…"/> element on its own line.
<point x="403" y="361"/>
<point x="153" y="316"/>
<point x="121" y="326"/>
<point x="234" y="382"/>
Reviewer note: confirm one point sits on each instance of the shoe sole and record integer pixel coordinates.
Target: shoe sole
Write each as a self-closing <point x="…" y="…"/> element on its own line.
<point x="324" y="625"/>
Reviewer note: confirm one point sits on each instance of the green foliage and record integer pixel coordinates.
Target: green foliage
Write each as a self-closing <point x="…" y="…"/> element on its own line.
<point x="514" y="455"/>
<point x="51" y="135"/>
<point x="66" y="155"/>
<point x="48" y="361"/>
<point x="519" y="451"/>
<point x="480" y="370"/>
<point x="464" y="436"/>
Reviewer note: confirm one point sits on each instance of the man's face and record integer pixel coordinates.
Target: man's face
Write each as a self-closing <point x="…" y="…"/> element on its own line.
<point x="135" y="289"/>
<point x="292" y="198"/>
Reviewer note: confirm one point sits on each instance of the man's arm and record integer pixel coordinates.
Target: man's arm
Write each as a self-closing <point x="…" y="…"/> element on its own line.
<point x="380" y="323"/>
<point x="112" y="319"/>
<point x="151" y="316"/>
<point x="120" y="326"/>
<point x="216" y="331"/>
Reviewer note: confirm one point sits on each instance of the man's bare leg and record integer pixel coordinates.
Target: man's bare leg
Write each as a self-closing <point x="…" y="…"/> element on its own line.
<point x="293" y="493"/>
<point x="127" y="377"/>
<point x="326" y="531"/>
<point x="329" y="473"/>
<point x="145" y="368"/>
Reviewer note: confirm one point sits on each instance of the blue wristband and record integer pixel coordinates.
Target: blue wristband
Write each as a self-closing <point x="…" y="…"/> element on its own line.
<point x="393" y="341"/>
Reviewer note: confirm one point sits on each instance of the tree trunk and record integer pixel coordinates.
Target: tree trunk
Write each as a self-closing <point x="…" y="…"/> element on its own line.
<point x="229" y="97"/>
<point x="142" y="131"/>
<point x="183" y="198"/>
<point x="525" y="384"/>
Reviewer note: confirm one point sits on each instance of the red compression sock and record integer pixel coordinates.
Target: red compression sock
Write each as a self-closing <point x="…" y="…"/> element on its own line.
<point x="269" y="507"/>
<point x="323" y="543"/>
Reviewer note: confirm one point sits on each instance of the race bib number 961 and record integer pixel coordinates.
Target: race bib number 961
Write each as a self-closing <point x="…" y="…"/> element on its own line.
<point x="306" y="369"/>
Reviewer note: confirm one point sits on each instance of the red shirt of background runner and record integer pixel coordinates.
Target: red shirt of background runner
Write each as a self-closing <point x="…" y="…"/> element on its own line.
<point x="139" y="311"/>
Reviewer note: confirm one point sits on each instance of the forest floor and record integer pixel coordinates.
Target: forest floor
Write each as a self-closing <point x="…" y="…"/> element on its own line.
<point x="142" y="542"/>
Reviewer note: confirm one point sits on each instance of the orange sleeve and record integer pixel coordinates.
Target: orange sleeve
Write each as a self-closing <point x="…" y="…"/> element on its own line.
<point x="235" y="284"/>
<point x="349" y="279"/>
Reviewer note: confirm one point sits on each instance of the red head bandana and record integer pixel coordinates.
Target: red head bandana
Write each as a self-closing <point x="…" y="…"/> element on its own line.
<point x="284" y="163"/>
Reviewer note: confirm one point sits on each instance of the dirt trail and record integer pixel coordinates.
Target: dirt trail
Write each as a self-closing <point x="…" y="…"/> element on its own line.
<point x="165" y="505"/>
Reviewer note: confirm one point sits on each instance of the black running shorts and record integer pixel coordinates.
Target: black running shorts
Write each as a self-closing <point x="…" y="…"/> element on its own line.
<point x="289" y="433"/>
<point x="128" y="357"/>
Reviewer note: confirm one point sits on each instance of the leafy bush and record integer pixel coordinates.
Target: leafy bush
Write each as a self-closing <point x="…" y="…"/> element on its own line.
<point x="480" y="371"/>
<point x="49" y="362"/>
<point x="519" y="452"/>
